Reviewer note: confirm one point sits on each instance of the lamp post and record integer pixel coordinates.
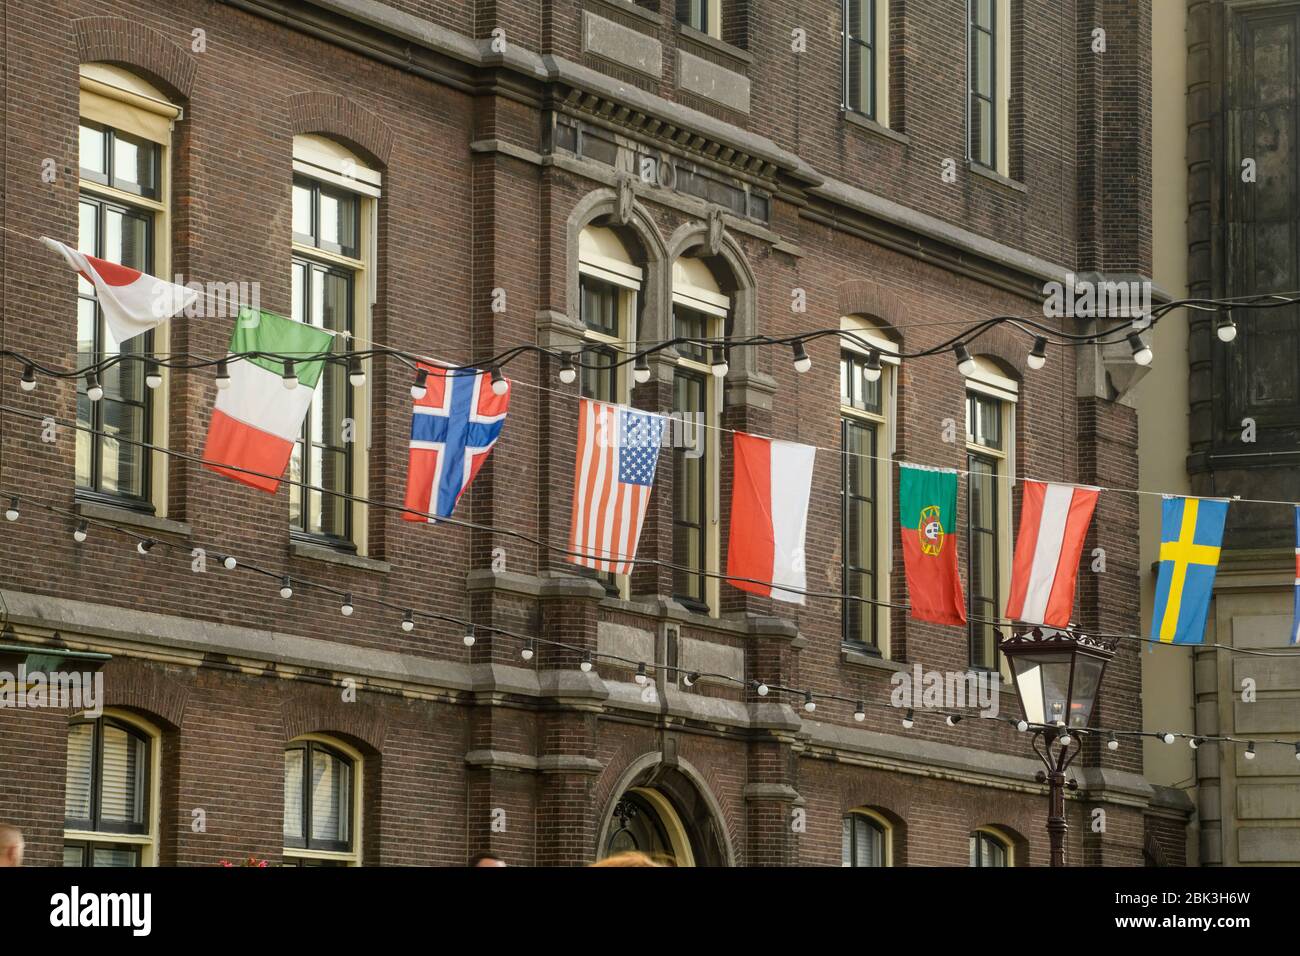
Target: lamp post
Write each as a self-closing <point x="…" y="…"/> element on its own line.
<point x="1057" y="675"/>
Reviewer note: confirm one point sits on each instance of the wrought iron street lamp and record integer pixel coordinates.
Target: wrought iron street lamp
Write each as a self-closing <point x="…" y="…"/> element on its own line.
<point x="1057" y="675"/>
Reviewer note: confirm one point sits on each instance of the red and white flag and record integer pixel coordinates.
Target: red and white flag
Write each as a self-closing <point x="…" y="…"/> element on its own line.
<point x="618" y="449"/>
<point x="133" y="301"/>
<point x="1054" y="521"/>
<point x="769" y="516"/>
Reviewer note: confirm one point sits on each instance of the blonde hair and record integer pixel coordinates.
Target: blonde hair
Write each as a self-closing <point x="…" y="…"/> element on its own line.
<point x="628" y="858"/>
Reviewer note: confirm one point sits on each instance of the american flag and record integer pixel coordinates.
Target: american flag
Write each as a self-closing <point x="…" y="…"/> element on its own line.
<point x="617" y="451"/>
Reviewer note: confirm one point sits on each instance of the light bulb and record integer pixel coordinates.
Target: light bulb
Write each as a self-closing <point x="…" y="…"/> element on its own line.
<point x="356" y="374"/>
<point x="1194" y="743"/>
<point x="641" y="369"/>
<point x="144" y="546"/>
<point x="153" y="373"/>
<point x="408" y="622"/>
<point x="527" y="652"/>
<point x="568" y="374"/>
<point x="762" y="689"/>
<point x="860" y="712"/>
<point x="802" y="362"/>
<point x="871" y="369"/>
<point x="469" y="637"/>
<point x="499" y="384"/>
<point x="640" y="673"/>
<point x="1250" y="750"/>
<point x="346" y="607"/>
<point x="809" y="704"/>
<point x="1167" y="738"/>
<point x="1038" y="356"/>
<point x="1297" y="751"/>
<point x="286" y="588"/>
<point x="952" y="720"/>
<point x="223" y="375"/>
<point x="1112" y="743"/>
<point x="1022" y="725"/>
<point x="586" y="663"/>
<point x="83" y="530"/>
<point x="1065" y="738"/>
<point x="229" y="563"/>
<point x="690" y="679"/>
<point x="419" y="387"/>
<point x="11" y="513"/>
<point x="28" y="381"/>
<point x="719" y="365"/>
<point x="290" y="378"/>
<point x="965" y="364"/>
<point x="1227" y="329"/>
<point x="1142" y="353"/>
<point x="94" y="391"/>
<point x="909" y="719"/>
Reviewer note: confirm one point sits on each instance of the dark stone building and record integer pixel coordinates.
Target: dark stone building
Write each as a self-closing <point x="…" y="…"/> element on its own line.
<point x="455" y="178"/>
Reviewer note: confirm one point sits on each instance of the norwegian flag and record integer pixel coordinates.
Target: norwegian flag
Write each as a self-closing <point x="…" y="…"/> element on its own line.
<point x="453" y="429"/>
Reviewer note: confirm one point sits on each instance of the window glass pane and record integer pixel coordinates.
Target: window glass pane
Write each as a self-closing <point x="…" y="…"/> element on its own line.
<point x="126" y="238"/>
<point x="77" y="789"/>
<point x="689" y="324"/>
<point x="599" y="306"/>
<point x="983" y="13"/>
<point x="87" y="240"/>
<point x="302" y="197"/>
<point x="120" y="856"/>
<point x="846" y="842"/>
<point x="293" y="808"/>
<point x="122" y="779"/>
<point x="598" y="377"/>
<point x="121" y="463"/>
<point x="984" y="421"/>
<point x="690" y="466"/>
<point x="330" y="793"/>
<point x="859" y="18"/>
<point x="93" y="153"/>
<point x="73" y="854"/>
<point x="982" y="62"/>
<point x="337" y="212"/>
<point x="135" y="164"/>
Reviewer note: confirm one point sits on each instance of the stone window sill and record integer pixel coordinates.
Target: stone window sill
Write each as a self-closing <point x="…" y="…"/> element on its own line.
<point x="857" y="658"/>
<point x="993" y="176"/>
<point x="99" y="511"/>
<point x="742" y="58"/>
<point x="328" y="555"/>
<point x="862" y="122"/>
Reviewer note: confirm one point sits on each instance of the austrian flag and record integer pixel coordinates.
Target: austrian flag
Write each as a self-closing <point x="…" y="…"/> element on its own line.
<point x="769" y="516"/>
<point x="132" y="301"/>
<point x="1054" y="521"/>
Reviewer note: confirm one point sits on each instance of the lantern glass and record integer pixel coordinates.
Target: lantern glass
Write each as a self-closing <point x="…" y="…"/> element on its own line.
<point x="1087" y="681"/>
<point x="1043" y="681"/>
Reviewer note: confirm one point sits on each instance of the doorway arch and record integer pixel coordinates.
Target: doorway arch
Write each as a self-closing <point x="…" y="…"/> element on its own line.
<point x="667" y="812"/>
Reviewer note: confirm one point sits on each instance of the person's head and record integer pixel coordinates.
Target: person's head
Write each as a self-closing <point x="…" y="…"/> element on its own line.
<point x="630" y="858"/>
<point x="11" y="845"/>
<point x="486" y="859"/>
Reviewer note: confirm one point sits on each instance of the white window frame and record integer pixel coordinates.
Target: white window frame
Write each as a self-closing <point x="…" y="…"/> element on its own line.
<point x="113" y="96"/>
<point x="347" y="857"/>
<point x="147" y="842"/>
<point x="324" y="160"/>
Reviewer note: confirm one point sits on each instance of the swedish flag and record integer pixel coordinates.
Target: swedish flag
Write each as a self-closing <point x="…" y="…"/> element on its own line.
<point x="1191" y="535"/>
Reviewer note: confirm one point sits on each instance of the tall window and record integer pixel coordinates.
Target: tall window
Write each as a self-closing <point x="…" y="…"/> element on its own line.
<point x="989" y="849"/>
<point x="865" y="840"/>
<point x="988" y="82"/>
<point x="609" y="285"/>
<point x="990" y="421"/>
<point x="322" y="789"/>
<point x="700" y="311"/>
<point x="124" y="134"/>
<point x="866" y="445"/>
<point x="110" y="797"/>
<point x="866" y="58"/>
<point x="332" y="282"/>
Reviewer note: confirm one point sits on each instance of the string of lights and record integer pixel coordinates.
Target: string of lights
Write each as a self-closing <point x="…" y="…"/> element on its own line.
<point x="529" y="645"/>
<point x="565" y="551"/>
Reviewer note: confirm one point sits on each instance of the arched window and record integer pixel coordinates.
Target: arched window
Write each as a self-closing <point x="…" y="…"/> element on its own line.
<point x="868" y="360"/>
<point x="123" y="216"/>
<point x="111" y="792"/>
<point x="866" y="840"/>
<point x="335" y="198"/>
<point x="990" y="848"/>
<point x="322" y="803"/>
<point x="700" y="311"/>
<point x="991" y="396"/>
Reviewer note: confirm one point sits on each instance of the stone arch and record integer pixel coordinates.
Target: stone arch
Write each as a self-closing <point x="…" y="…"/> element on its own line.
<point x="682" y="781"/>
<point x="1012" y="837"/>
<point x="139" y="48"/>
<point x="720" y="245"/>
<point x="338" y="117"/>
<point x="897" y="825"/>
<point x="619" y="209"/>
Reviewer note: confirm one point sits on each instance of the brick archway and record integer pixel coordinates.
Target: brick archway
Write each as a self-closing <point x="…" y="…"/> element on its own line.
<point x="137" y="47"/>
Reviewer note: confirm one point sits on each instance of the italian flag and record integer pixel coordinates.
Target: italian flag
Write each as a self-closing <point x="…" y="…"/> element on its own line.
<point x="927" y="513"/>
<point x="132" y="301"/>
<point x="257" y="420"/>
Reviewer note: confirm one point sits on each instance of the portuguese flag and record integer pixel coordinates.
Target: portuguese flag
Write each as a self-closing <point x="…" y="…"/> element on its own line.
<point x="256" y="419"/>
<point x="927" y="512"/>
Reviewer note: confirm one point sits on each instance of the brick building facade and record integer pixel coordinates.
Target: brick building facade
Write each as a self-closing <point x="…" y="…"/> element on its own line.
<point x="498" y="155"/>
